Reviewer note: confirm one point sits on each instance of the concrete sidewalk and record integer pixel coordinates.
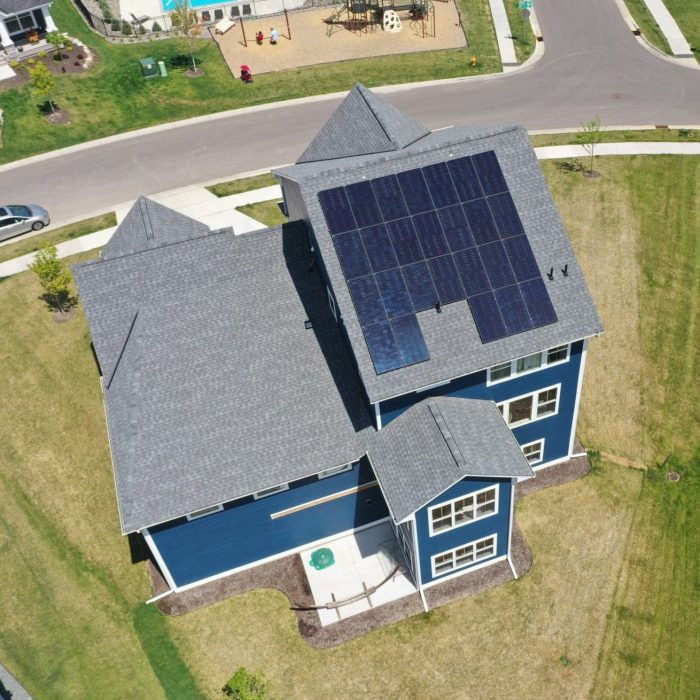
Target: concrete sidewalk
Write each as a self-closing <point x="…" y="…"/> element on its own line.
<point x="670" y="29"/>
<point x="12" y="686"/>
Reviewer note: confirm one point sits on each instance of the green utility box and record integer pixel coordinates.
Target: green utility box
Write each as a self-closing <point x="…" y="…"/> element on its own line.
<point x="149" y="67"/>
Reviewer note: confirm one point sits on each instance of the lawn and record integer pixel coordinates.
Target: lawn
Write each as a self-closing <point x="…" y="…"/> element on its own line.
<point x="612" y="136"/>
<point x="243" y="184"/>
<point x="521" y="31"/>
<point x="646" y="23"/>
<point x="267" y="213"/>
<point x="114" y="97"/>
<point x="609" y="610"/>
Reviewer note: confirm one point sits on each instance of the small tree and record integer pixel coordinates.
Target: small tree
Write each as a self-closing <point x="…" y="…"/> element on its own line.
<point x="54" y="277"/>
<point x="245" y="685"/>
<point x="58" y="40"/>
<point x="184" y="19"/>
<point x="43" y="82"/>
<point x="589" y="136"/>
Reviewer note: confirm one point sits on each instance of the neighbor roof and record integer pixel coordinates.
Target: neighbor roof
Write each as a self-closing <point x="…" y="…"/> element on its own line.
<point x="13" y="7"/>
<point x="436" y="443"/>
<point x="452" y="339"/>
<point x="216" y="389"/>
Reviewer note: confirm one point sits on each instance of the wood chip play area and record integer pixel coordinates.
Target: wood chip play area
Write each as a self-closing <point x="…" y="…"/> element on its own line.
<point x="339" y="33"/>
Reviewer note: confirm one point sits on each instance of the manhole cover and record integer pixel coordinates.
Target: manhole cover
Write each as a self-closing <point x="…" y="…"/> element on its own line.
<point x="673" y="476"/>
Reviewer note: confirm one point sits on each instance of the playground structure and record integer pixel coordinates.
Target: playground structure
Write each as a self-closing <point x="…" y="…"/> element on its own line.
<point x="362" y="16"/>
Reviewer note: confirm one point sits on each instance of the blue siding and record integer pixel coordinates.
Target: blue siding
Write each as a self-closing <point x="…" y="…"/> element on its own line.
<point x="556" y="430"/>
<point x="244" y="533"/>
<point x="494" y="524"/>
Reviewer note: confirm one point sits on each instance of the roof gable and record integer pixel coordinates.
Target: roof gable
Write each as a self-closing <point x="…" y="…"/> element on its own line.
<point x="363" y="124"/>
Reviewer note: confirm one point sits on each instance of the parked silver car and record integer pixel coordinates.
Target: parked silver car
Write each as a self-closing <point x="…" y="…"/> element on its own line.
<point x="21" y="218"/>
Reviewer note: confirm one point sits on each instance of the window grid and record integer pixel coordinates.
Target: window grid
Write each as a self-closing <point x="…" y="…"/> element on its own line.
<point x="534" y="451"/>
<point x="463" y="510"/>
<point x="464" y="555"/>
<point x="531" y="407"/>
<point x="530" y="363"/>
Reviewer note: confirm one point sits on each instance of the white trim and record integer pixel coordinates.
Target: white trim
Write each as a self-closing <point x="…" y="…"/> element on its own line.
<point x="270" y="492"/>
<point x="503" y="406"/>
<point x="553" y="463"/>
<point x="465" y="570"/>
<point x="331" y="303"/>
<point x="416" y="553"/>
<point x="432" y="386"/>
<point x="473" y="544"/>
<point x="377" y="415"/>
<point x="203" y="512"/>
<point x="325" y="473"/>
<point x="424" y="601"/>
<point x="514" y="364"/>
<point x="452" y="501"/>
<point x="530" y="444"/>
<point x="159" y="596"/>
<point x="323" y="499"/>
<point x="512" y="568"/>
<point x="510" y="526"/>
<point x="579" y="386"/>
<point x="159" y="558"/>
<point x="274" y="557"/>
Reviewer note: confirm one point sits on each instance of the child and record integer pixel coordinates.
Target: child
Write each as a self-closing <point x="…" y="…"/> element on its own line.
<point x="259" y="38"/>
<point x="274" y="35"/>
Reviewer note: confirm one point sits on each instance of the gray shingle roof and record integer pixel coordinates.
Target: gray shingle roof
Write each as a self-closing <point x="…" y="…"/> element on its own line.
<point x="13" y="7"/>
<point x="452" y="339"/>
<point x="220" y="391"/>
<point x="363" y="124"/>
<point x="438" y="442"/>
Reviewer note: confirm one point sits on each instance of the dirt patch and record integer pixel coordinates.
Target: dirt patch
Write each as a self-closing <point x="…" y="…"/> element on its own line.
<point x="60" y="116"/>
<point x="321" y="36"/>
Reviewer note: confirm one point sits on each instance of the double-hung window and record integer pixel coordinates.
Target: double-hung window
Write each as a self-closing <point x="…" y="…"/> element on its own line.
<point x="463" y="510"/>
<point x="534" y="451"/>
<point x="464" y="556"/>
<point x="531" y="407"/>
<point x="530" y="363"/>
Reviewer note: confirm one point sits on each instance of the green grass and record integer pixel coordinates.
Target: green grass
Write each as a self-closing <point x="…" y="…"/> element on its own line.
<point x="267" y="213"/>
<point x="648" y="26"/>
<point x="521" y="30"/>
<point x="58" y="235"/>
<point x="687" y="15"/>
<point x="244" y="184"/>
<point x="612" y="136"/>
<point x="113" y="97"/>
<point x="615" y="580"/>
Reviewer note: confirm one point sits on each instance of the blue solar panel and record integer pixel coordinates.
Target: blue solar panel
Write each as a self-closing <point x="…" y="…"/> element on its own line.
<point x="368" y="304"/>
<point x="505" y="215"/>
<point x="464" y="177"/>
<point x="454" y="225"/>
<point x="487" y="317"/>
<point x="351" y="254"/>
<point x="379" y="249"/>
<point x="480" y="221"/>
<point x="420" y="286"/>
<point x="446" y="279"/>
<point x="415" y="191"/>
<point x="364" y="207"/>
<point x="430" y="234"/>
<point x="490" y="173"/>
<point x="394" y="294"/>
<point x="405" y="241"/>
<point x="440" y="185"/>
<point x="471" y="271"/>
<point x="513" y="309"/>
<point x="410" y="340"/>
<point x="521" y="258"/>
<point x="337" y="210"/>
<point x="538" y="303"/>
<point x="383" y="348"/>
<point x="496" y="265"/>
<point x="389" y="197"/>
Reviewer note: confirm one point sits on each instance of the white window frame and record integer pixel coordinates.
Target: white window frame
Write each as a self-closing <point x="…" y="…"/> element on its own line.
<point x="504" y="406"/>
<point x="331" y="303"/>
<point x="539" y="442"/>
<point x="335" y="470"/>
<point x="474" y="494"/>
<point x="270" y="492"/>
<point x="19" y="18"/>
<point x="544" y="364"/>
<point x="204" y="512"/>
<point x="454" y="551"/>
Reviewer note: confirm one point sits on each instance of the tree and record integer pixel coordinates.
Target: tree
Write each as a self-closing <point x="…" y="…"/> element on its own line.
<point x="184" y="19"/>
<point x="589" y="136"/>
<point x="245" y="685"/>
<point x="54" y="277"/>
<point x="58" y="40"/>
<point x="43" y="82"/>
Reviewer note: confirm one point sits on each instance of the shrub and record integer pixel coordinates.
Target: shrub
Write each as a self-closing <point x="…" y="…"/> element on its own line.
<point x="31" y="61"/>
<point x="42" y="54"/>
<point x="126" y="29"/>
<point x="15" y="64"/>
<point x="245" y="685"/>
<point x="142" y="30"/>
<point x="115" y="25"/>
<point x="156" y="27"/>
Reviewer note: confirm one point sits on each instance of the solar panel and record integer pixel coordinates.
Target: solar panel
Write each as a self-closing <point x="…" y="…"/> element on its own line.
<point x="441" y="233"/>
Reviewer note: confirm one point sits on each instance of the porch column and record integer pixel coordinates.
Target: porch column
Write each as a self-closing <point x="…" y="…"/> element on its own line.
<point x="4" y="36"/>
<point x="50" y="24"/>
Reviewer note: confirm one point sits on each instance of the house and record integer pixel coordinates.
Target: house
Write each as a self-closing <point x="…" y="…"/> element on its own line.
<point x="21" y="20"/>
<point x="402" y="353"/>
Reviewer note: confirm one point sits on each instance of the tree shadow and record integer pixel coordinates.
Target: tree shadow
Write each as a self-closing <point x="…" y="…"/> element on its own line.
<point x="59" y="303"/>
<point x="570" y="166"/>
<point x="45" y="108"/>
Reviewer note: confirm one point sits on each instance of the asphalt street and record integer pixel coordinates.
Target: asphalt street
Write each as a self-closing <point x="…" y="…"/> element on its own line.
<point x="592" y="65"/>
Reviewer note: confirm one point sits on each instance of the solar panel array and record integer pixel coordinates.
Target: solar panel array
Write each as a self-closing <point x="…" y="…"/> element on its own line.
<point x="441" y="233"/>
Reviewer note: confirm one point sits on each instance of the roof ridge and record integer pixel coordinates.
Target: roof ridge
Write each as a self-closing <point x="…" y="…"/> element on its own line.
<point x="361" y="89"/>
<point x="444" y="429"/>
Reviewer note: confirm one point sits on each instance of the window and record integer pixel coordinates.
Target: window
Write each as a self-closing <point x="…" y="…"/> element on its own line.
<point x="530" y="363"/>
<point x="335" y="470"/>
<point x="20" y="22"/>
<point x="534" y="451"/>
<point x="463" y="556"/>
<point x="525" y="409"/>
<point x="204" y="511"/>
<point x="463" y="510"/>
<point x="269" y="492"/>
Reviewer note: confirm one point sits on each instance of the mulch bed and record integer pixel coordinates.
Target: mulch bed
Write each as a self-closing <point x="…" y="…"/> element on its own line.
<point x="287" y="575"/>
<point x="65" y="67"/>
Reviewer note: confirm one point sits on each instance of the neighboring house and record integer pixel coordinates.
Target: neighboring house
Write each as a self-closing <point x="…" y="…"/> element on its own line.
<point x="406" y="350"/>
<point x="21" y="19"/>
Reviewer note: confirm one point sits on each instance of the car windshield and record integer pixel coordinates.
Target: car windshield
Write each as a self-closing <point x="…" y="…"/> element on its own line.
<point x="19" y="210"/>
<point x="3" y="211"/>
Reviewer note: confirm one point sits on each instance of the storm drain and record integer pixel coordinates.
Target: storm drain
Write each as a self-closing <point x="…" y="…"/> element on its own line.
<point x="673" y="476"/>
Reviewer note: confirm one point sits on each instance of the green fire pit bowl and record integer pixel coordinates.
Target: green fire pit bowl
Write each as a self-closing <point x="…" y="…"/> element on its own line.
<point x="322" y="558"/>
